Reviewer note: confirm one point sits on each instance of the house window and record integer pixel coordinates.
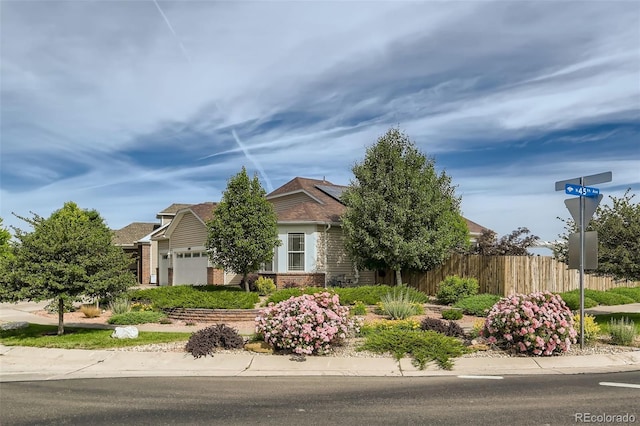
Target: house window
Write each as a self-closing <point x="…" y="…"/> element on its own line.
<point x="296" y="252"/>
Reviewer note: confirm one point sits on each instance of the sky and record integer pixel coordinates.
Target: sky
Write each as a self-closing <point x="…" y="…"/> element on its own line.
<point x="129" y="106"/>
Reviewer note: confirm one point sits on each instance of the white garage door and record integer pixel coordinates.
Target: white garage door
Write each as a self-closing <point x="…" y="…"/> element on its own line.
<point x="190" y="268"/>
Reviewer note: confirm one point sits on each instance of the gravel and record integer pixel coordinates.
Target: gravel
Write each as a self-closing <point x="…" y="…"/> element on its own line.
<point x="348" y="350"/>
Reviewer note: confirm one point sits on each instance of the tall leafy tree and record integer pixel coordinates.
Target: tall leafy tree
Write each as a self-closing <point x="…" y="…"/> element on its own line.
<point x="244" y="228"/>
<point x="401" y="214"/>
<point x="516" y="243"/>
<point x="68" y="255"/>
<point x="618" y="227"/>
<point x="5" y="238"/>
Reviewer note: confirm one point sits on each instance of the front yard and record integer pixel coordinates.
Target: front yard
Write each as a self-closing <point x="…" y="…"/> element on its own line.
<point x="423" y="334"/>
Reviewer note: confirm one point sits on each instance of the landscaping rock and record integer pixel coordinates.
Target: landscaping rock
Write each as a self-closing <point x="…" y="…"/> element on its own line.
<point x="479" y="347"/>
<point x="129" y="332"/>
<point x="16" y="325"/>
<point x="259" y="347"/>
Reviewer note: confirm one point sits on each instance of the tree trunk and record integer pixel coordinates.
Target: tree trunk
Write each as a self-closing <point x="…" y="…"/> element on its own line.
<point x="246" y="282"/>
<point x="398" y="276"/>
<point x="60" y="316"/>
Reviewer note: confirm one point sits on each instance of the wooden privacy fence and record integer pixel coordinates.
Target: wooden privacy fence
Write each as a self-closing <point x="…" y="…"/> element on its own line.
<point x="506" y="275"/>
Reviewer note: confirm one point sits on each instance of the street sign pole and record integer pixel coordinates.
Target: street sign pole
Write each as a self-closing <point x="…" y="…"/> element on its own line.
<point x="582" y="222"/>
<point x="583" y="181"/>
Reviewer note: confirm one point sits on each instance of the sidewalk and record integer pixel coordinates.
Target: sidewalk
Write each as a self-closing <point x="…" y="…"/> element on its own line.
<point x="23" y="363"/>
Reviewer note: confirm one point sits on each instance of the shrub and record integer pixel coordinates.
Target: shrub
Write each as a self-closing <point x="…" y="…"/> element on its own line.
<point x="140" y="317"/>
<point x="591" y="327"/>
<point x="359" y="309"/>
<point x="422" y="346"/>
<point x="623" y="331"/>
<point x="52" y="307"/>
<point x="454" y="288"/>
<point x="372" y="294"/>
<point x="204" y="342"/>
<point x="478" y="305"/>
<point x="120" y="305"/>
<point x="90" y="311"/>
<point x="374" y="327"/>
<point x="265" y="286"/>
<point x="476" y="330"/>
<point x="630" y="292"/>
<point x="452" y="314"/>
<point x="607" y="298"/>
<point x="204" y="296"/>
<point x="141" y="306"/>
<point x="400" y="303"/>
<point x="538" y="324"/>
<point x="306" y="324"/>
<point x="572" y="300"/>
<point x="288" y="293"/>
<point x="450" y="328"/>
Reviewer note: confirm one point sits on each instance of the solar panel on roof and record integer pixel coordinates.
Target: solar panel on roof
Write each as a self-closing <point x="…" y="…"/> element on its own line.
<point x="332" y="191"/>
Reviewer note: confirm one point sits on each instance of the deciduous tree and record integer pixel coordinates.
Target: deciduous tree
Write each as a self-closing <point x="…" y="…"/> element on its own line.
<point x="5" y="238"/>
<point x="401" y="214"/>
<point x="516" y="243"/>
<point x="618" y="227"/>
<point x="68" y="255"/>
<point x="244" y="230"/>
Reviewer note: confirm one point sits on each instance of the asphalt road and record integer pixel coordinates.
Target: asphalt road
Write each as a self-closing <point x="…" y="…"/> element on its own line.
<point x="514" y="400"/>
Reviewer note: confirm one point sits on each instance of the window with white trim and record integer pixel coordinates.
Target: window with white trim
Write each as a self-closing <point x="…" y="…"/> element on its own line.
<point x="296" y="252"/>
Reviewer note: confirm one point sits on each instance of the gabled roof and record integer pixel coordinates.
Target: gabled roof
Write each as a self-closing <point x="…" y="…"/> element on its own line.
<point x="474" y="228"/>
<point x="324" y="204"/>
<point x="172" y="209"/>
<point x="203" y="212"/>
<point x="132" y="233"/>
<point x="321" y="206"/>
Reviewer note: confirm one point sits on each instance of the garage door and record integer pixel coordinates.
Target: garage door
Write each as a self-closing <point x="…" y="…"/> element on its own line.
<point x="190" y="268"/>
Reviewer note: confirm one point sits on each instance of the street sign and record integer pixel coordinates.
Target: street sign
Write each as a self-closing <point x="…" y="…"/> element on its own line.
<point x="590" y="206"/>
<point x="585" y="180"/>
<point x="585" y="191"/>
<point x="583" y="248"/>
<point x="590" y="250"/>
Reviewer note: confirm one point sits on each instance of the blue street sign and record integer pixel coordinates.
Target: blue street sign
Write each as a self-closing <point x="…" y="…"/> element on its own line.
<point x="584" y="191"/>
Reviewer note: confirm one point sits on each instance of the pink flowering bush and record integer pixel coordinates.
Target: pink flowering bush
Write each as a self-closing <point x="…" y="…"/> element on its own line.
<point x="307" y="324"/>
<point x="535" y="324"/>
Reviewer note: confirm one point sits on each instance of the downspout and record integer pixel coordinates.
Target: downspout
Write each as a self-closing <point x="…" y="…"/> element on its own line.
<point x="326" y="249"/>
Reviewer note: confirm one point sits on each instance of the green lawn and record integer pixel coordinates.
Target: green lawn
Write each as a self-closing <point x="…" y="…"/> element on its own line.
<point x="604" y="319"/>
<point x="44" y="336"/>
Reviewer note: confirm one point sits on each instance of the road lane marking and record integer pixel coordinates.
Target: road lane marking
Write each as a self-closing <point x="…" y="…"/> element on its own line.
<point x="620" y="385"/>
<point x="482" y="377"/>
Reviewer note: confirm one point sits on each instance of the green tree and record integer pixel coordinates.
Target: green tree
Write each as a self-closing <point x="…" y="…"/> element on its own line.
<point x="5" y="238"/>
<point x="618" y="227"/>
<point x="244" y="228"/>
<point x="516" y="243"/>
<point x="400" y="213"/>
<point x="66" y="256"/>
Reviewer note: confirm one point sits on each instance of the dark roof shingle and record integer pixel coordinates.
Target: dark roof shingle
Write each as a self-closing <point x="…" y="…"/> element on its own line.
<point x="133" y="232"/>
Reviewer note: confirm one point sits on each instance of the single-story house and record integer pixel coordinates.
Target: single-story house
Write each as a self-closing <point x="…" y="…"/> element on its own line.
<point x="312" y="250"/>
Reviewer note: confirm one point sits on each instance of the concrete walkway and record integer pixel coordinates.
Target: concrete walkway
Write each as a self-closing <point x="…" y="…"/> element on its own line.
<point x="23" y="363"/>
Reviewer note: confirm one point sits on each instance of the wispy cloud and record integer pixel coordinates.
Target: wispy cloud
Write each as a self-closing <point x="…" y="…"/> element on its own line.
<point x="169" y="103"/>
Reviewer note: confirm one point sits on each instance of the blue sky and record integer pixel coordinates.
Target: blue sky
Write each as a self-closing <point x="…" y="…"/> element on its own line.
<point x="129" y="106"/>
